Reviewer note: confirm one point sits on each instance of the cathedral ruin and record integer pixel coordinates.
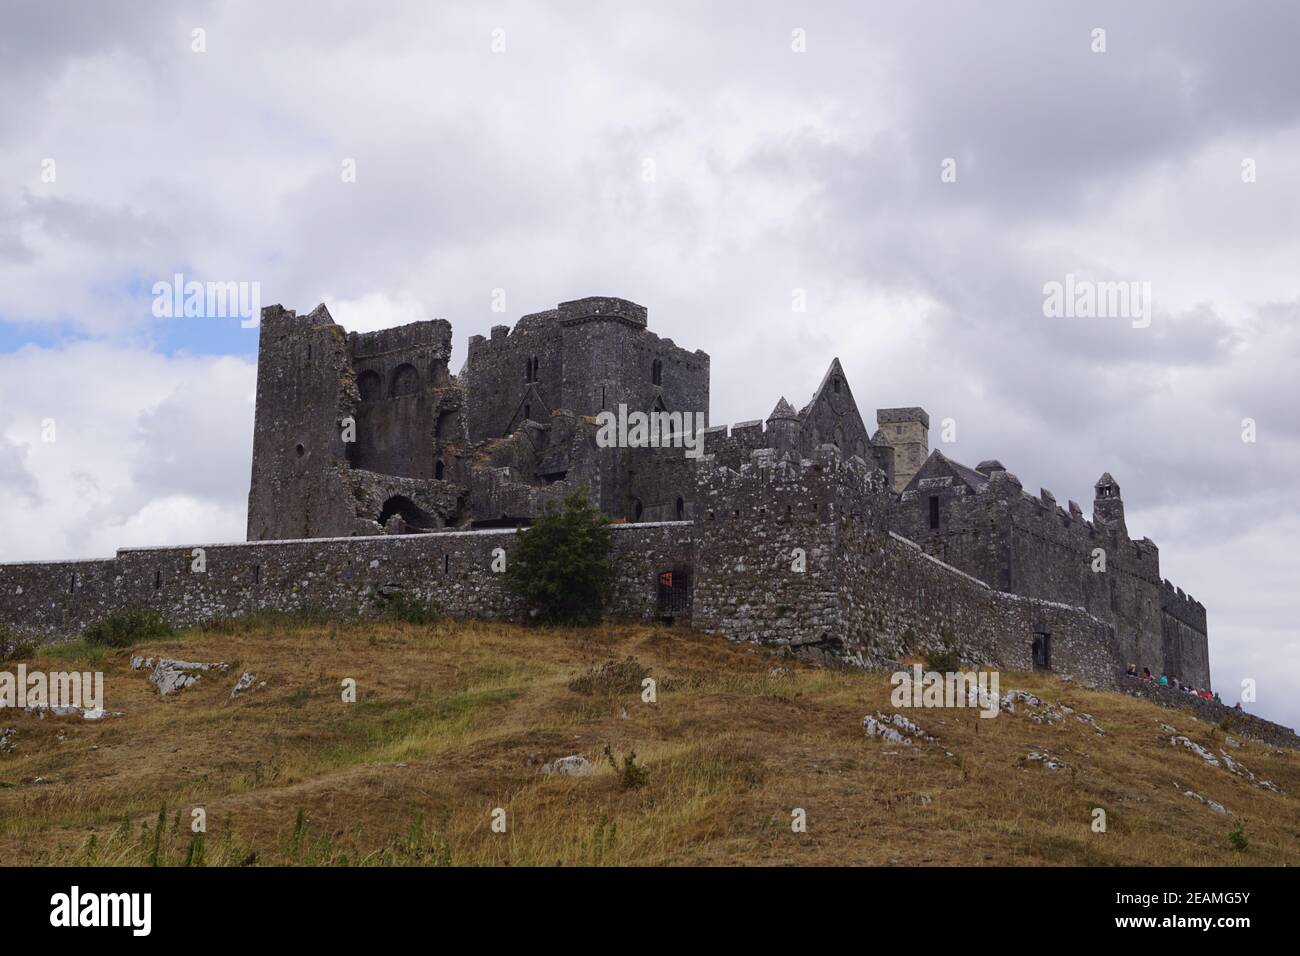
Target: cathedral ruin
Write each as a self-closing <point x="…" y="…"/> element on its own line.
<point x="366" y="434"/>
<point x="375" y="469"/>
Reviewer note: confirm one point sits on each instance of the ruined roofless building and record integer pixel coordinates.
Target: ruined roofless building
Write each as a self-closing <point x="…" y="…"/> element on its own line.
<point x="362" y="434"/>
<point x="487" y="448"/>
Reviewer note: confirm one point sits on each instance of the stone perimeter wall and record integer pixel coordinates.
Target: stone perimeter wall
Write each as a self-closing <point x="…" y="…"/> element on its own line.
<point x="58" y="600"/>
<point x="868" y="597"/>
<point x="1237" y="722"/>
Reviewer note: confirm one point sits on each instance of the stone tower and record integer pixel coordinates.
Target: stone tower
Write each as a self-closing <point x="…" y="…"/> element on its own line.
<point x="1108" y="506"/>
<point x="305" y="390"/>
<point x="783" y="430"/>
<point x="585" y="356"/>
<point x="907" y="431"/>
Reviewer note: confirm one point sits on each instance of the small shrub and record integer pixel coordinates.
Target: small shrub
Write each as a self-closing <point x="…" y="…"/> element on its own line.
<point x="560" y="566"/>
<point x="126" y="627"/>
<point x="612" y="677"/>
<point x="945" y="660"/>
<point x="1231" y="724"/>
<point x="419" y="848"/>
<point x="394" y="605"/>
<point x="1238" y="839"/>
<point x="631" y="775"/>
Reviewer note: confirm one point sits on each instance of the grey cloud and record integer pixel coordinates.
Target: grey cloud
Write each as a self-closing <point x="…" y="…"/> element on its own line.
<point x="775" y="170"/>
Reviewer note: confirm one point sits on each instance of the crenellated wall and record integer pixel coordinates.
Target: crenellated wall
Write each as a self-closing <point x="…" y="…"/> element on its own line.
<point x="798" y="555"/>
<point x="1184" y="634"/>
<point x="794" y="555"/>
<point x="584" y="356"/>
<point x="986" y="525"/>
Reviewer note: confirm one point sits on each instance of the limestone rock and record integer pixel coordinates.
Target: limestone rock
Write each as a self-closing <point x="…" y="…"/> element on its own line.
<point x="574" y="765"/>
<point x="170" y="675"/>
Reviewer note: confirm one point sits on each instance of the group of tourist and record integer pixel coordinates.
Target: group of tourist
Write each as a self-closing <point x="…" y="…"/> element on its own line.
<point x="1164" y="680"/>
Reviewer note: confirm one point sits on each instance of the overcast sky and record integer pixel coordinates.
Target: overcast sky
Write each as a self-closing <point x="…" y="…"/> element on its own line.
<point x="707" y="164"/>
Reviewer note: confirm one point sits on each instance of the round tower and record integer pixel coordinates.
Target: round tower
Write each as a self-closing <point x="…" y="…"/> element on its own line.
<point x="1108" y="506"/>
<point x="783" y="430"/>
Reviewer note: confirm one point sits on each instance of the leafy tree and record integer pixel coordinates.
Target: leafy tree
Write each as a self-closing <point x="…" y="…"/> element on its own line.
<point x="560" y="565"/>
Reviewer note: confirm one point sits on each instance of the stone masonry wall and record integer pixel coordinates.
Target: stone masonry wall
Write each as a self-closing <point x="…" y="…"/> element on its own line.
<point x="865" y="596"/>
<point x="900" y="602"/>
<point x="1032" y="546"/>
<point x="749" y="524"/>
<point x="305" y="389"/>
<point x="58" y="600"/>
<point x="1235" y="721"/>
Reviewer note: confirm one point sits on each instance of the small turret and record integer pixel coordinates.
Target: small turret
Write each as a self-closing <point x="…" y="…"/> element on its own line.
<point x="783" y="430"/>
<point x="883" y="454"/>
<point x="1108" y="506"/>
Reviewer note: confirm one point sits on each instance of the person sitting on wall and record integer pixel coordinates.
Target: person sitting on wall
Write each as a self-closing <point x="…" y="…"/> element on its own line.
<point x="1164" y="680"/>
<point x="1132" y="671"/>
<point x="1217" y="699"/>
<point x="1146" y="673"/>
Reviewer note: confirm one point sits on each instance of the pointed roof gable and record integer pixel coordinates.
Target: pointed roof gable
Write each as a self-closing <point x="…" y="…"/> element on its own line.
<point x="939" y="465"/>
<point x="842" y="396"/>
<point x="783" y="410"/>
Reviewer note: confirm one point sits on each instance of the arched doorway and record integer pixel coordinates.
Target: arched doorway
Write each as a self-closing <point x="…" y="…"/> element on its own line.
<point x="411" y="514"/>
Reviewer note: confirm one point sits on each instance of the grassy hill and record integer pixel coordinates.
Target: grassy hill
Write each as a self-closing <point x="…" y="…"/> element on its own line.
<point x="456" y="719"/>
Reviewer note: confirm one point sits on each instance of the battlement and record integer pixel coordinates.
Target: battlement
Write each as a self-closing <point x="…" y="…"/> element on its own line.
<point x="431" y="333"/>
<point x="821" y="489"/>
<point x="278" y="315"/>
<point x="901" y="416"/>
<point x="1182" y="606"/>
<point x="520" y="427"/>
<point x="596" y="308"/>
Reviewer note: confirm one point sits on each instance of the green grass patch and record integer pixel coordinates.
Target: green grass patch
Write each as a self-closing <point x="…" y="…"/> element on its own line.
<point x="378" y="731"/>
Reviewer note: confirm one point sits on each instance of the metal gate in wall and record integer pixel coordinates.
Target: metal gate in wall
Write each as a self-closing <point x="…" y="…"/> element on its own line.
<point x="675" y="593"/>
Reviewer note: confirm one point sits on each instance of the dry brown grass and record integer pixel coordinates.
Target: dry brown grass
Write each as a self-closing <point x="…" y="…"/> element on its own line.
<point x="455" y="719"/>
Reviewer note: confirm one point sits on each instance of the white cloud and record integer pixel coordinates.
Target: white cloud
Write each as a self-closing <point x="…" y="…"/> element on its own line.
<point x="145" y="449"/>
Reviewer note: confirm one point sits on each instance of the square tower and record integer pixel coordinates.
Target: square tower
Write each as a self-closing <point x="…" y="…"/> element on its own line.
<point x="907" y="431"/>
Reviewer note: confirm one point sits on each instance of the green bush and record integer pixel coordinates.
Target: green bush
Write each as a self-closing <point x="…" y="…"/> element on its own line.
<point x="944" y="660"/>
<point x="1238" y="839"/>
<point x="560" y="566"/>
<point x="631" y="774"/>
<point x="405" y="607"/>
<point x="126" y="627"/>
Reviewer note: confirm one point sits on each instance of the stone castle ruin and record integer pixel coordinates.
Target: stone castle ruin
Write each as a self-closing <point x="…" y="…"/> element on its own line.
<point x="376" y="468"/>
